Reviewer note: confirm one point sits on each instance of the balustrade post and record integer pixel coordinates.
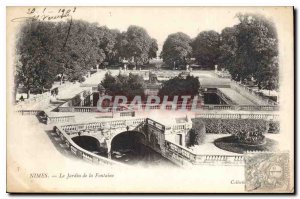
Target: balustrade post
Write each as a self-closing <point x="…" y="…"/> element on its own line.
<point x="48" y="120"/>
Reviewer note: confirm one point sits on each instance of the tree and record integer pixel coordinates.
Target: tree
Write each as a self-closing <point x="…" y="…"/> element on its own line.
<point x="153" y="49"/>
<point x="121" y="45"/>
<point x="228" y="50"/>
<point x="137" y="44"/>
<point x="107" y="40"/>
<point x="196" y="134"/>
<point x="69" y="50"/>
<point x="206" y="48"/>
<point x="33" y="69"/>
<point x="126" y="85"/>
<point x="250" y="49"/>
<point x="176" y="49"/>
<point x="199" y="128"/>
<point x="81" y="50"/>
<point x="180" y="86"/>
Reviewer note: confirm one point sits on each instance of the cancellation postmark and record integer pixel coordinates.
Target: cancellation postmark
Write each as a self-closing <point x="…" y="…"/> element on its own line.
<point x="267" y="172"/>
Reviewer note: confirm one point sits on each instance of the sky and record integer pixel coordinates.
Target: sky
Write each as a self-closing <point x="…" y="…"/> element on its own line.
<point x="160" y="21"/>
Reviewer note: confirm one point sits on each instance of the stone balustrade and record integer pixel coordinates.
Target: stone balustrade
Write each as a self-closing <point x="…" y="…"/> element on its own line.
<point x="82" y="153"/>
<point x="250" y="94"/>
<point x="238" y="116"/>
<point x="178" y="106"/>
<point x="29" y="112"/>
<point x="101" y="125"/>
<point x="183" y="156"/>
<point x="178" y="154"/>
<point x="60" y="119"/>
<point x="241" y="107"/>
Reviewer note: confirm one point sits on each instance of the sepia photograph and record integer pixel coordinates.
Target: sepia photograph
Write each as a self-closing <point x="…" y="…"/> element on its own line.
<point x="150" y="99"/>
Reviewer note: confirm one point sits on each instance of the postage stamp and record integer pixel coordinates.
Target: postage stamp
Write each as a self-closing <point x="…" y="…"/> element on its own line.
<point x="267" y="172"/>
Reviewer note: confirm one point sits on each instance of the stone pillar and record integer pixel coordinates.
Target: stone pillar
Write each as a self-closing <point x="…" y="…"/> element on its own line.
<point x="108" y="144"/>
<point x="48" y="120"/>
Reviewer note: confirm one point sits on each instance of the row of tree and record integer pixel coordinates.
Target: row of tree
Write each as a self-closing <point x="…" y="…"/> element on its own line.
<point x="248" y="50"/>
<point x="180" y="86"/>
<point x="133" y="85"/>
<point x="124" y="85"/>
<point x="68" y="50"/>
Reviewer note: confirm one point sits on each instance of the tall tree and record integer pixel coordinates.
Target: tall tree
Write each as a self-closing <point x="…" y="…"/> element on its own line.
<point x="33" y="69"/>
<point x="228" y="50"/>
<point x="206" y="48"/>
<point x="153" y="49"/>
<point x="135" y="44"/>
<point x="176" y="49"/>
<point x="197" y="134"/>
<point x="107" y="40"/>
<point x="68" y="49"/>
<point x="250" y="49"/>
<point x="80" y="51"/>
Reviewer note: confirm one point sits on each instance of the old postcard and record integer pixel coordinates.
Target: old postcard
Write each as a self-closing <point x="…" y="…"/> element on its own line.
<point x="150" y="99"/>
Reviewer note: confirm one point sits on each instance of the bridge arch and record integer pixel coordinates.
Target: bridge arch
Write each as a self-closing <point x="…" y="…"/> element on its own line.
<point x="91" y="144"/>
<point x="126" y="142"/>
<point x="127" y="136"/>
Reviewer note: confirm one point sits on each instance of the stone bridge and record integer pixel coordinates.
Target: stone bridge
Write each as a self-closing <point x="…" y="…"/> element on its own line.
<point x="155" y="134"/>
<point x="106" y="131"/>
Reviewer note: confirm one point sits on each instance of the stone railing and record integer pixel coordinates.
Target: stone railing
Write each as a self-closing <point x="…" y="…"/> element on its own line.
<point x="250" y="94"/>
<point x="127" y="114"/>
<point x="218" y="107"/>
<point x="60" y="119"/>
<point x="215" y="107"/>
<point x="82" y="153"/>
<point x="84" y="109"/>
<point x="176" y="107"/>
<point x="238" y="116"/>
<point x="103" y="125"/>
<point x="183" y="156"/>
<point x="259" y="108"/>
<point x="174" y="152"/>
<point x="65" y="109"/>
<point x="29" y="112"/>
<point x="241" y="107"/>
<point x="166" y="106"/>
